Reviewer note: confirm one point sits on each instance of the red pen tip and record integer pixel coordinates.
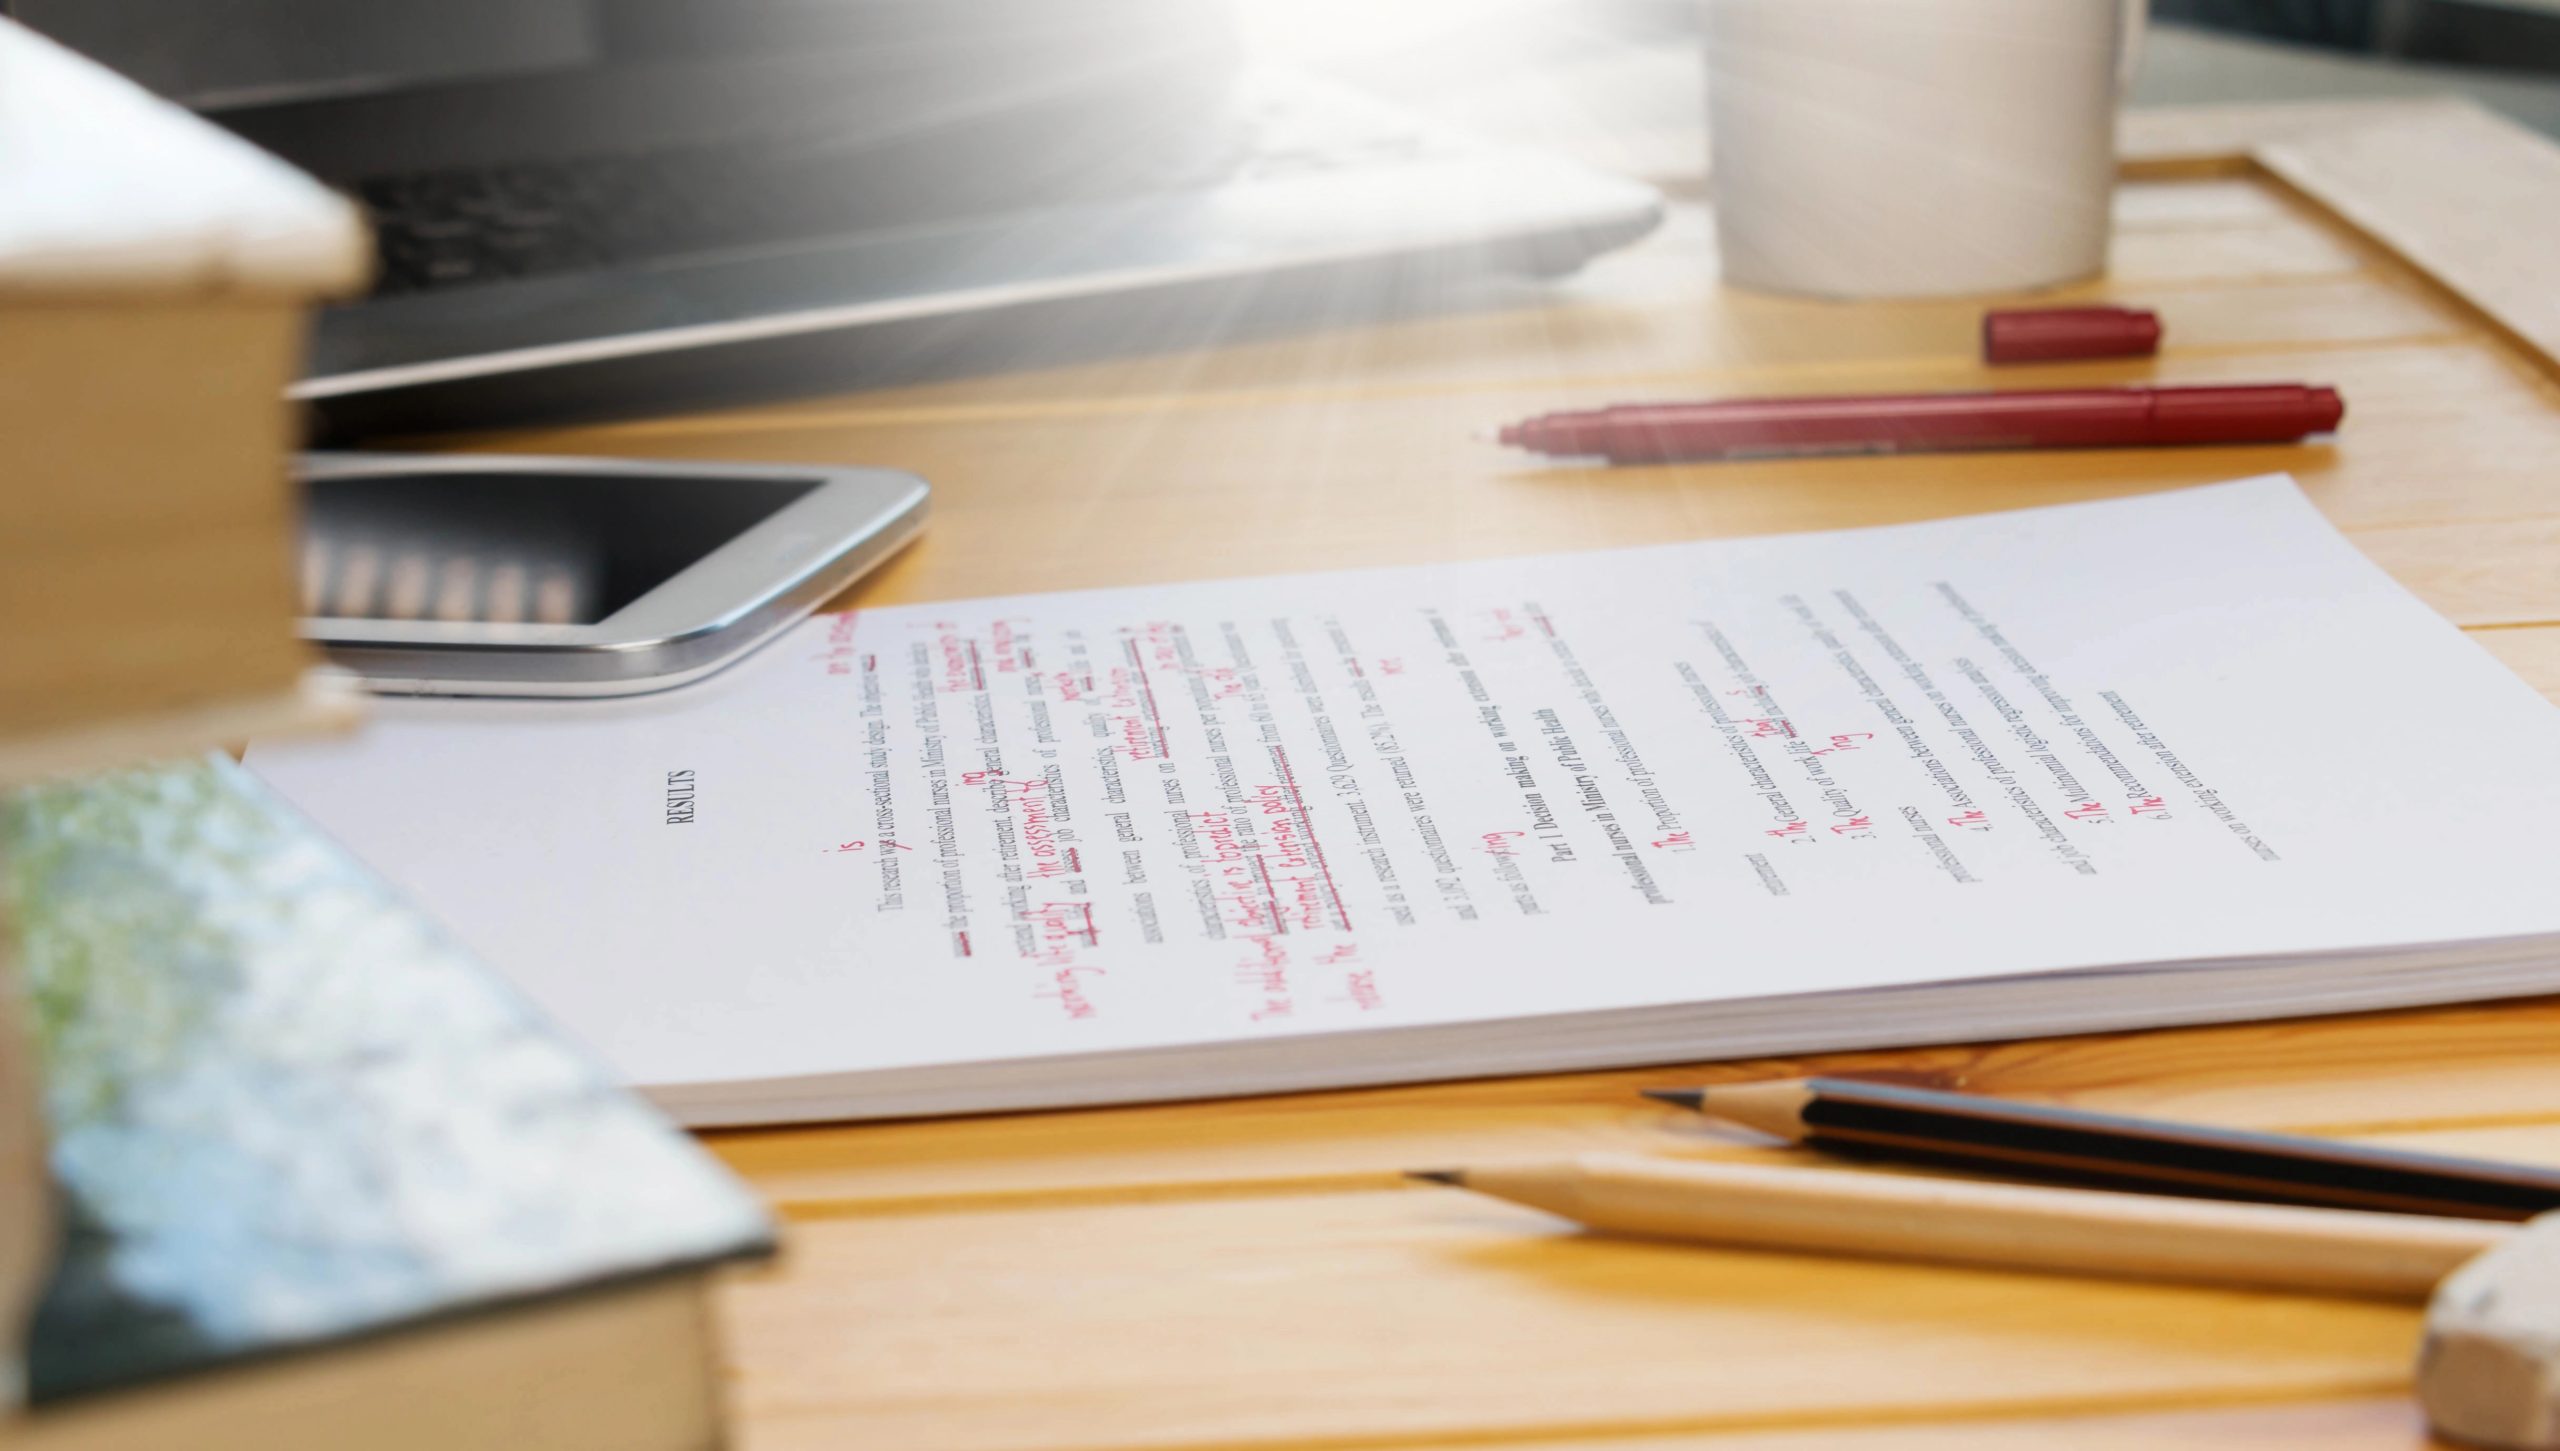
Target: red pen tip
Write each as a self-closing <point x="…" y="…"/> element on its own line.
<point x="1510" y="434"/>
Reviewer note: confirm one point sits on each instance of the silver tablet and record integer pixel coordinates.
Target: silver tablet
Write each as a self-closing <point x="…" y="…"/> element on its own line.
<point x="490" y="575"/>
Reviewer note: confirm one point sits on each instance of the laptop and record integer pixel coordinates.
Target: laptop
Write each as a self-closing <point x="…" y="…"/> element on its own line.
<point x="589" y="207"/>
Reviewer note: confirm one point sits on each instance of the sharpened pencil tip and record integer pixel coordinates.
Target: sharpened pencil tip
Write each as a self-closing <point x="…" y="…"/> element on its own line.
<point x="1439" y="1176"/>
<point x="1683" y="1097"/>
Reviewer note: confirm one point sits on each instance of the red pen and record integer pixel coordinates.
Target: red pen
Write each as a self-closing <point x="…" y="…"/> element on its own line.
<point x="1935" y="423"/>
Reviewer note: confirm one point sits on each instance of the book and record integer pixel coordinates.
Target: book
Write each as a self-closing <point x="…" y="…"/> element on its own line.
<point x="156" y="275"/>
<point x="325" y="1180"/>
<point x="26" y="1187"/>
<point x="2180" y="758"/>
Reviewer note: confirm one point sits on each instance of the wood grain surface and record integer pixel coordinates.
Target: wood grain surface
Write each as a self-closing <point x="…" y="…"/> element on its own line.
<point x="1254" y="1273"/>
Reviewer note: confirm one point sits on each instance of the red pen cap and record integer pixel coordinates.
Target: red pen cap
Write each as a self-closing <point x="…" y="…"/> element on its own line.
<point x="2056" y="334"/>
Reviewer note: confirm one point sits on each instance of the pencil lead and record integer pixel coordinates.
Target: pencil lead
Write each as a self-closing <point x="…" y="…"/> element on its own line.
<point x="1682" y="1097"/>
<point x="1439" y="1176"/>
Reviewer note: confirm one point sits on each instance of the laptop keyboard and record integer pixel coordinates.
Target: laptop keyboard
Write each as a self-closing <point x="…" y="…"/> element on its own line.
<point x="459" y="227"/>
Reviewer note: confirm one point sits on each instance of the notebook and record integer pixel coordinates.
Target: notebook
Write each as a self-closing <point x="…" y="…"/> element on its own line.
<point x="2179" y="758"/>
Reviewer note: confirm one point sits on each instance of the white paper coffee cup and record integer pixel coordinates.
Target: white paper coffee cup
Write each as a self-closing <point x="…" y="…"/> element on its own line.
<point x="1914" y="148"/>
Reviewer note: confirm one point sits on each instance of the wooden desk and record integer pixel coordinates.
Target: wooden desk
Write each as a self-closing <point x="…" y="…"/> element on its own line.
<point x="1219" y="1275"/>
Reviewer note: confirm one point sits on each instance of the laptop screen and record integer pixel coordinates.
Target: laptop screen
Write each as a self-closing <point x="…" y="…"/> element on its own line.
<point x="221" y="55"/>
<point x="215" y="54"/>
<point x="354" y="88"/>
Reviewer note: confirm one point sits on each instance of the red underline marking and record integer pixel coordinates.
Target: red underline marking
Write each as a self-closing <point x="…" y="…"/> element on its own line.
<point x="1272" y="895"/>
<point x="1146" y="687"/>
<point x="1315" y="848"/>
<point x="977" y="670"/>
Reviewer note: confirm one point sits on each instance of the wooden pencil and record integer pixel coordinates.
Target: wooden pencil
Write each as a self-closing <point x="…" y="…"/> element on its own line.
<point x="2076" y="1231"/>
<point x="1852" y="1117"/>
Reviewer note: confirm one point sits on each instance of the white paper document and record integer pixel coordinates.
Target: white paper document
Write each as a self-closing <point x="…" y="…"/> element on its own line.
<point x="1528" y="813"/>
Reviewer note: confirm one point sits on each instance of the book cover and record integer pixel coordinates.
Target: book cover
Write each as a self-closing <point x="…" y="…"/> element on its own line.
<point x="288" y="1111"/>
